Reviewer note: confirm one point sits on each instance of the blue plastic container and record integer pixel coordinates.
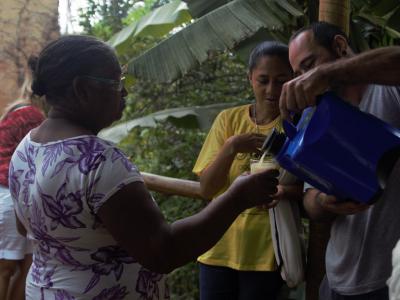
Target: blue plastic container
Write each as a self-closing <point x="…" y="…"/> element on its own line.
<point x="338" y="149"/>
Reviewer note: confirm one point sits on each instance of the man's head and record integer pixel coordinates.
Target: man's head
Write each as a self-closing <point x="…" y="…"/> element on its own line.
<point x="316" y="44"/>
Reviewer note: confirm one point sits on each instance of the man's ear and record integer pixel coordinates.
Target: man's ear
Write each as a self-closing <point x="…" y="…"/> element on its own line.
<point x="81" y="90"/>
<point x="340" y="46"/>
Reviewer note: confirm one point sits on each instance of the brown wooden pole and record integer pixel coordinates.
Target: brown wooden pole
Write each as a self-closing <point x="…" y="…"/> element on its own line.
<point x="172" y="186"/>
<point x="336" y="12"/>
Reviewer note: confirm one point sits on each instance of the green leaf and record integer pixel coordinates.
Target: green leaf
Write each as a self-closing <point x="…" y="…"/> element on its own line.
<point x="380" y="22"/>
<point x="356" y="36"/>
<point x="221" y="29"/>
<point x="244" y="48"/>
<point x="157" y="23"/>
<point x="291" y="7"/>
<point x="394" y="20"/>
<point x="383" y="7"/>
<point x="186" y="117"/>
<point x="199" y="8"/>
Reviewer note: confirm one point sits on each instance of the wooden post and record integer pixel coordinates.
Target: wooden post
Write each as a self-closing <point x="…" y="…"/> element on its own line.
<point x="172" y="186"/>
<point x="336" y="12"/>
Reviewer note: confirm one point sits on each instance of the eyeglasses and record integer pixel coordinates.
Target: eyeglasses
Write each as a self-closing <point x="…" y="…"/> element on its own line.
<point x="116" y="85"/>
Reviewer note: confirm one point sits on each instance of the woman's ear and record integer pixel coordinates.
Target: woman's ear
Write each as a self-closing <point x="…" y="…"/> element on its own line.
<point x="249" y="76"/>
<point x="81" y="90"/>
<point x="340" y="46"/>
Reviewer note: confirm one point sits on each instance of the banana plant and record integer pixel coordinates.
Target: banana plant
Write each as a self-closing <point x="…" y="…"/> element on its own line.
<point x="187" y="117"/>
<point x="375" y="24"/>
<point x="156" y="23"/>
<point x="223" y="25"/>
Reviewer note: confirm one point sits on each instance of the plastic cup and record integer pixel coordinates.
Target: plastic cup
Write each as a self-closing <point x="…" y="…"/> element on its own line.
<point x="257" y="166"/>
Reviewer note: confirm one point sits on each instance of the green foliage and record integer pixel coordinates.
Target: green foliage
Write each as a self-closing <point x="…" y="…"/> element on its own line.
<point x="220" y="79"/>
<point x="103" y="18"/>
<point x="374" y="23"/>
<point x="157" y="23"/>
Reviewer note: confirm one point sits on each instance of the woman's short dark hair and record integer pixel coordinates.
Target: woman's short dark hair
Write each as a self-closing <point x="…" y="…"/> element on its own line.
<point x="324" y="33"/>
<point x="64" y="59"/>
<point x="268" y="48"/>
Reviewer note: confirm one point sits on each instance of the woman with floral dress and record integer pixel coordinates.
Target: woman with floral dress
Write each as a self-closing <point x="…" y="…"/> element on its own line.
<point x="97" y="233"/>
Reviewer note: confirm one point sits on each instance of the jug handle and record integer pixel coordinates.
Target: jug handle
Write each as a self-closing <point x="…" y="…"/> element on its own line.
<point x="290" y="126"/>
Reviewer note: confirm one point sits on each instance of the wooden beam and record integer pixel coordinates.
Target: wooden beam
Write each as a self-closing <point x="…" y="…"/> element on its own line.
<point x="172" y="186"/>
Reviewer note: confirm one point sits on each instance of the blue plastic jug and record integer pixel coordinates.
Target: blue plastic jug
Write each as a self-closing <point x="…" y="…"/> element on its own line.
<point x="338" y="149"/>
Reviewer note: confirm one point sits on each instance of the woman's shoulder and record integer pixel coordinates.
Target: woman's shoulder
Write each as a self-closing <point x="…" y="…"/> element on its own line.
<point x="83" y="144"/>
<point x="236" y="110"/>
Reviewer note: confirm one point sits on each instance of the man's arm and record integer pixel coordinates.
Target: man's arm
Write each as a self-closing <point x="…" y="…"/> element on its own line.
<point x="379" y="66"/>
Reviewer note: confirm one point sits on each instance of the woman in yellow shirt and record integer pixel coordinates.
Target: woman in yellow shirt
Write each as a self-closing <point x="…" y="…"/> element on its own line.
<point x="242" y="264"/>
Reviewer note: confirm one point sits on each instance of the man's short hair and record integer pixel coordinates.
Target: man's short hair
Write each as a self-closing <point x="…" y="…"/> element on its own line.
<point x="324" y="33"/>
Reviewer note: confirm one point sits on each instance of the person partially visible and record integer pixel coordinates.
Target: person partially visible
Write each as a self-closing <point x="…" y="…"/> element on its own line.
<point x="15" y="250"/>
<point x="358" y="256"/>
<point x="97" y="232"/>
<point x="394" y="280"/>
<point x="242" y="264"/>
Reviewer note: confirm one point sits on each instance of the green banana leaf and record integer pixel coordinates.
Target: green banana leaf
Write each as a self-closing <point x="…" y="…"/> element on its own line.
<point x="186" y="117"/>
<point x="221" y="29"/>
<point x="199" y="8"/>
<point x="157" y="23"/>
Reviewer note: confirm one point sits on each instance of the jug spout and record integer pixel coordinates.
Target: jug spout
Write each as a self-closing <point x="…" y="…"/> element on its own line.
<point x="274" y="142"/>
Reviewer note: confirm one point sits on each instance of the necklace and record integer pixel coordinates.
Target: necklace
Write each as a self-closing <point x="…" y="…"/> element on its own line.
<point x="255" y="117"/>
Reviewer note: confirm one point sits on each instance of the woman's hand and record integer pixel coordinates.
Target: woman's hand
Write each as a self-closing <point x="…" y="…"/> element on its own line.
<point x="247" y="142"/>
<point x="278" y="196"/>
<point x="258" y="189"/>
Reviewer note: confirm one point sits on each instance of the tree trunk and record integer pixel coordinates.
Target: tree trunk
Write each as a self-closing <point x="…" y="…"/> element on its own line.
<point x="25" y="27"/>
<point x="336" y="12"/>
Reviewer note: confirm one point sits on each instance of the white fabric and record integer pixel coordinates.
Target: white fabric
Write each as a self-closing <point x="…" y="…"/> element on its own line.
<point x="13" y="246"/>
<point x="394" y="280"/>
<point x="287" y="237"/>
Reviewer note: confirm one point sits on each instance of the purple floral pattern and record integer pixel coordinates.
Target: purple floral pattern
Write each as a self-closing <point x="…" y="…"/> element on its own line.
<point x="63" y="295"/>
<point x="64" y="208"/>
<point x="115" y="293"/>
<point x="110" y="259"/>
<point x="73" y="253"/>
<point x="147" y="284"/>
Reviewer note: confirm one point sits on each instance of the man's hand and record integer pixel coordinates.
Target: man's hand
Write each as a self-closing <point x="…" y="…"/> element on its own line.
<point x="331" y="204"/>
<point x="303" y="90"/>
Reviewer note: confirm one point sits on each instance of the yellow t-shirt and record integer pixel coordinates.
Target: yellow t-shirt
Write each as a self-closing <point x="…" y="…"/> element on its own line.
<point x="247" y="244"/>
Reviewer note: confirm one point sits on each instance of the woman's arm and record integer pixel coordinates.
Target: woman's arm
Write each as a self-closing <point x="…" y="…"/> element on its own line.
<point x="137" y="224"/>
<point x="215" y="176"/>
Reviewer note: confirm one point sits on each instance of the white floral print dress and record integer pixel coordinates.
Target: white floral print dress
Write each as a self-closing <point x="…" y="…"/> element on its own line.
<point x="57" y="189"/>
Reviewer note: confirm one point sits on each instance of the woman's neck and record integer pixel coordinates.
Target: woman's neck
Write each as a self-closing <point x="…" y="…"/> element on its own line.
<point x="262" y="115"/>
<point x="71" y="119"/>
<point x="59" y="126"/>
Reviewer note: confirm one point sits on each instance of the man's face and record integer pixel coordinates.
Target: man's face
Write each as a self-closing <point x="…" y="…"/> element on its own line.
<point x="305" y="53"/>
